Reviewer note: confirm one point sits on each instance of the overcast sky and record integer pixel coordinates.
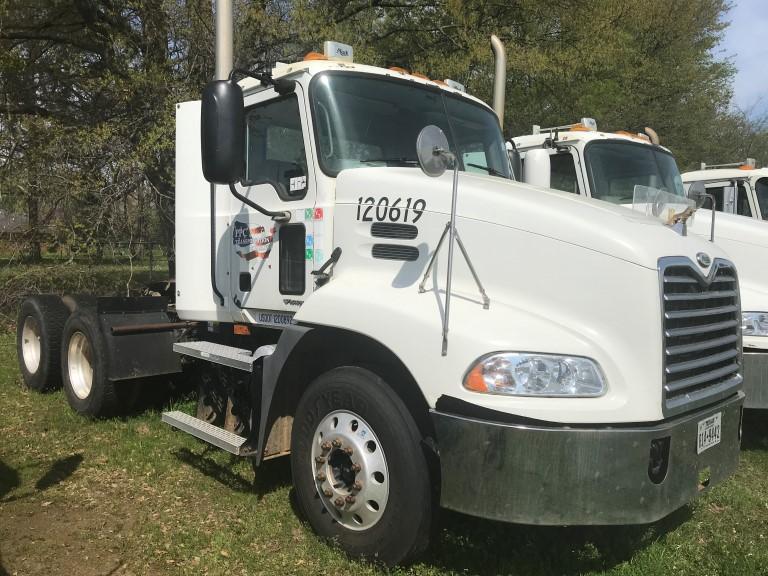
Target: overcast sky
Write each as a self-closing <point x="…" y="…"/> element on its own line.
<point x="746" y="40"/>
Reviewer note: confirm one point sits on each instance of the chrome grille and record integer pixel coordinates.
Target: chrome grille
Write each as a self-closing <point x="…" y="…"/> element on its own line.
<point x="702" y="333"/>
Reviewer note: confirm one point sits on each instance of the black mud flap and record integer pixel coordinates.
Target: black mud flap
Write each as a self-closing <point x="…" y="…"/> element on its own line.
<point x="138" y="355"/>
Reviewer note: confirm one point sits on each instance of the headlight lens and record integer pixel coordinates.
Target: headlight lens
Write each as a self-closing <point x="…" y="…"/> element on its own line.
<point x="526" y="374"/>
<point x="754" y="323"/>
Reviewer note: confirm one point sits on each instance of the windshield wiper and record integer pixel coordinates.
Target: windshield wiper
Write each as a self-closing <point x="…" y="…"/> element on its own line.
<point x="401" y="161"/>
<point x="488" y="169"/>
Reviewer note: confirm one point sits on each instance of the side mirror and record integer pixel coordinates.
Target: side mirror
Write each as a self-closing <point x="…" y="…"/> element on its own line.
<point x="222" y="132"/>
<point x="537" y="169"/>
<point x="698" y="193"/>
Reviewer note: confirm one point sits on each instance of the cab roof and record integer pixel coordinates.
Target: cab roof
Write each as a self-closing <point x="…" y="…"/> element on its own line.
<point x="314" y="67"/>
<point x="724" y="174"/>
<point x="535" y="140"/>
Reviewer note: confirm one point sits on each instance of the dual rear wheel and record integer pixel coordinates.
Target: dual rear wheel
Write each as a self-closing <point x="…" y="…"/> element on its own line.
<point x="57" y="348"/>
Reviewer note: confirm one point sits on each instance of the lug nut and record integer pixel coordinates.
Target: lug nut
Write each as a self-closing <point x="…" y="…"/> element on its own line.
<point x="350" y="499"/>
<point x="325" y="446"/>
<point x="320" y="476"/>
<point x="339" y="502"/>
<point x="357" y="486"/>
<point x="356" y="468"/>
<point x="336" y="443"/>
<point x="328" y="492"/>
<point x="319" y="459"/>
<point x="348" y="451"/>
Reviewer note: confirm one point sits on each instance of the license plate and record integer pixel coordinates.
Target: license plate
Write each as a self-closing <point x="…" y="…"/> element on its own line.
<point x="710" y="430"/>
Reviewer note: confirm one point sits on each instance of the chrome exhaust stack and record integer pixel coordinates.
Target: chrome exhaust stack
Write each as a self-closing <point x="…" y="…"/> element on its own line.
<point x="499" y="77"/>
<point x="224" y="38"/>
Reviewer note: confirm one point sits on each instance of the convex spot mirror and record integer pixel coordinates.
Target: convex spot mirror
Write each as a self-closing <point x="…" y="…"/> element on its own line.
<point x="432" y="151"/>
<point x="697" y="193"/>
<point x="222" y="132"/>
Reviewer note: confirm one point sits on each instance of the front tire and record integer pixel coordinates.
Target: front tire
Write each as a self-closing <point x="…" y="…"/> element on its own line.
<point x="38" y="341"/>
<point x="360" y="474"/>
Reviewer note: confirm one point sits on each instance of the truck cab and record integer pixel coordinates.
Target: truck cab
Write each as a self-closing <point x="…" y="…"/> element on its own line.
<point x="739" y="188"/>
<point x="607" y="166"/>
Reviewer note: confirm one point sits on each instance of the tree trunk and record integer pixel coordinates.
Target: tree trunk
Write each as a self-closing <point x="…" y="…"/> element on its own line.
<point x="33" y="222"/>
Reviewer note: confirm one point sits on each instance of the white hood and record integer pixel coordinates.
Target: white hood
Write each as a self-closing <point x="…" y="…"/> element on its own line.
<point x="591" y="224"/>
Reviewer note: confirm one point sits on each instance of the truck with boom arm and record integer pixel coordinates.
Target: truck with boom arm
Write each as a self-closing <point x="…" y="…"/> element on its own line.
<point x="609" y="166"/>
<point x="412" y="334"/>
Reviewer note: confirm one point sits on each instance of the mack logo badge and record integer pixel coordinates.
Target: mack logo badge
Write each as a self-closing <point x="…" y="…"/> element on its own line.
<point x="703" y="259"/>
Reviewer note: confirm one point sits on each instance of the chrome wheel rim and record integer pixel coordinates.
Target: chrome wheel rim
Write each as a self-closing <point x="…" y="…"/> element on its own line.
<point x="30" y="344"/>
<point x="79" y="365"/>
<point x="350" y="470"/>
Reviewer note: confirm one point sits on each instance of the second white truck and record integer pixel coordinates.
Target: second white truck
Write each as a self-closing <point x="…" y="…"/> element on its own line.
<point x="608" y="166"/>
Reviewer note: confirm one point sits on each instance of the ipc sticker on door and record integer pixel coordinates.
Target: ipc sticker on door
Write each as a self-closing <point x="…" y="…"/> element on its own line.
<point x="298" y="183"/>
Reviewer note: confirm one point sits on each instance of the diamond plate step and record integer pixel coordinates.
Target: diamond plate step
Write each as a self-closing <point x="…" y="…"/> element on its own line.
<point x="201" y="429"/>
<point x="218" y="353"/>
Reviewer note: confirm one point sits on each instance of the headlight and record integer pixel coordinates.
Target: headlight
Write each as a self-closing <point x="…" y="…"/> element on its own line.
<point x="526" y="374"/>
<point x="754" y="323"/>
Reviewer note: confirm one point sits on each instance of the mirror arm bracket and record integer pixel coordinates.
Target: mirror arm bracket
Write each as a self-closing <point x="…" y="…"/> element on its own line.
<point x="282" y="85"/>
<point x="280" y="216"/>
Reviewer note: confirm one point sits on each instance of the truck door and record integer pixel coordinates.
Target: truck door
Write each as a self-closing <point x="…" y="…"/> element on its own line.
<point x="564" y="172"/>
<point x="731" y="197"/>
<point x="269" y="273"/>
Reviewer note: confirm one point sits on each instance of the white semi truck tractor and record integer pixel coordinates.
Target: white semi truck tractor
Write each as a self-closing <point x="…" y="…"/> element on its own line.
<point x="739" y="188"/>
<point x="550" y="362"/>
<point x="608" y="166"/>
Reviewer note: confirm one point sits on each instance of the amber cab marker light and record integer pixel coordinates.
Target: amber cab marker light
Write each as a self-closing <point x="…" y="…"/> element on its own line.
<point x="315" y="56"/>
<point x="241" y="330"/>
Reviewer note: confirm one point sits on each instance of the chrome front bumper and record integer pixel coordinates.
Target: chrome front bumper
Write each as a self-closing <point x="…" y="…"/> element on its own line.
<point x="554" y="475"/>
<point x="756" y="379"/>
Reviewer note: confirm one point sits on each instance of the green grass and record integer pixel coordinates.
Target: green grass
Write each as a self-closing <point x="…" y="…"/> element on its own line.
<point x="132" y="496"/>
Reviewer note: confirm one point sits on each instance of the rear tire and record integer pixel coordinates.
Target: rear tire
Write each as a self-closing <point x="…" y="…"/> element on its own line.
<point x="84" y="367"/>
<point x="38" y="341"/>
<point x="354" y="437"/>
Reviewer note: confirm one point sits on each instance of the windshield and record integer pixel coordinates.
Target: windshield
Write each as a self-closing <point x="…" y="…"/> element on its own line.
<point x="616" y="167"/>
<point x="363" y="121"/>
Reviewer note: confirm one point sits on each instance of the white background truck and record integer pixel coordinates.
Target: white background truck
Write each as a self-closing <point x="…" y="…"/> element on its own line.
<point x="739" y="188"/>
<point x="298" y="306"/>
<point x="607" y="166"/>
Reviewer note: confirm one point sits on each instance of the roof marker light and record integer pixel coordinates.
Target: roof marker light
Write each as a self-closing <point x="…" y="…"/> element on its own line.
<point x="315" y="56"/>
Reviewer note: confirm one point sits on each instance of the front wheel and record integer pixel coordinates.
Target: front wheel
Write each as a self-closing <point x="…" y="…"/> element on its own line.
<point x="359" y="471"/>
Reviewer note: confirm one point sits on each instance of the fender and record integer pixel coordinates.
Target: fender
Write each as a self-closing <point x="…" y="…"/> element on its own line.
<point x="475" y="332"/>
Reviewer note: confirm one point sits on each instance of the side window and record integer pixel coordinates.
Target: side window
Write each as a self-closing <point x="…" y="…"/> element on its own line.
<point x="275" y="147"/>
<point x="742" y="201"/>
<point x="762" y="196"/>
<point x="717" y="192"/>
<point x="563" y="171"/>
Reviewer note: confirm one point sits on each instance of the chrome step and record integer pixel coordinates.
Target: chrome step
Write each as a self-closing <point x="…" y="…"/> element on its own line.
<point x="201" y="429"/>
<point x="239" y="358"/>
